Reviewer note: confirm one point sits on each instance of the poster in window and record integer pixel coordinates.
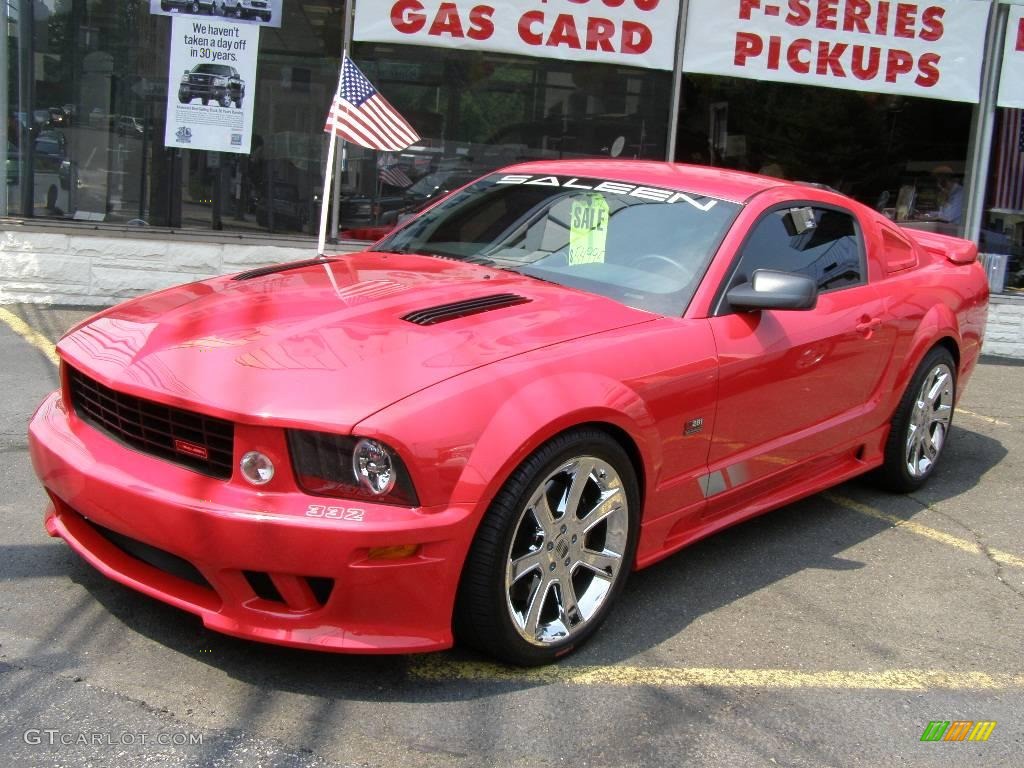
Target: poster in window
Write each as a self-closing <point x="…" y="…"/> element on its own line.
<point x="259" y="12"/>
<point x="211" y="84"/>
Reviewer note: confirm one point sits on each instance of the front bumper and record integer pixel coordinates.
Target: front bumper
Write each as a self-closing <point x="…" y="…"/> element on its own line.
<point x="225" y="532"/>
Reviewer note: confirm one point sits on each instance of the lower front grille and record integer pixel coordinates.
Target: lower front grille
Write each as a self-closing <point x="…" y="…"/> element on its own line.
<point x="152" y="556"/>
<point x="201" y="443"/>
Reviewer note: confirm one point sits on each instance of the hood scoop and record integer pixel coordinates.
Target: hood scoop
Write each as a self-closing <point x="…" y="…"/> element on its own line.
<point x="444" y="312"/>
<point x="275" y="268"/>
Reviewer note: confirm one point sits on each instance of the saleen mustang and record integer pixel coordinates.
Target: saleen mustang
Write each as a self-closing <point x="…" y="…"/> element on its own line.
<point x="477" y="429"/>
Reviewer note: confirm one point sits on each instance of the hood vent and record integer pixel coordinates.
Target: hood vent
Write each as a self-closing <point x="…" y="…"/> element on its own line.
<point x="274" y="268"/>
<point x="445" y="312"/>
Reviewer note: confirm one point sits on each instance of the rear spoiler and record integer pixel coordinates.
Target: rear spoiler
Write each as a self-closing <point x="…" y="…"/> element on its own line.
<point x="956" y="249"/>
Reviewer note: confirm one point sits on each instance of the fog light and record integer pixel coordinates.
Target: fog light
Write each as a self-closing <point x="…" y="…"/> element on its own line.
<point x="372" y="465"/>
<point x="257" y="468"/>
<point x="397" y="552"/>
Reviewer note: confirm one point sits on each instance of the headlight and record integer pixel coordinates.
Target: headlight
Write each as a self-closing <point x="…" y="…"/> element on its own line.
<point x="349" y="468"/>
<point x="220" y="81"/>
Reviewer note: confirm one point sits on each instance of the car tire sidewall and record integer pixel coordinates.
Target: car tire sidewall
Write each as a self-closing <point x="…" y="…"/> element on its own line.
<point x="894" y="474"/>
<point x="489" y="560"/>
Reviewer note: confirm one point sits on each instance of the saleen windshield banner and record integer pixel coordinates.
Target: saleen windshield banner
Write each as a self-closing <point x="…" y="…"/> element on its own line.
<point x="639" y="33"/>
<point x="1011" y="83"/>
<point x="912" y="49"/>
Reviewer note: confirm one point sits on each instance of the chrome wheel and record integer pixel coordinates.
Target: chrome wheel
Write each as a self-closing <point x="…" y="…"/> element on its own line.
<point x="929" y="421"/>
<point x="567" y="551"/>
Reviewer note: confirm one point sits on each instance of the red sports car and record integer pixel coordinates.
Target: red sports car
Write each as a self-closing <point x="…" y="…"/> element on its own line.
<point x="477" y="429"/>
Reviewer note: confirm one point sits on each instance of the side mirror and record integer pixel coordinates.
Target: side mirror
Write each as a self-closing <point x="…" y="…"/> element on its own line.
<point x="772" y="289"/>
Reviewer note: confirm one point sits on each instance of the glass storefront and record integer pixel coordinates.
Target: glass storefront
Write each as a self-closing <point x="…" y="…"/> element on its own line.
<point x="86" y="99"/>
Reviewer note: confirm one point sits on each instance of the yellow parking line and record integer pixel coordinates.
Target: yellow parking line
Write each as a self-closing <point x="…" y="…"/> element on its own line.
<point x="29" y="334"/>
<point x="999" y="556"/>
<point x="439" y="669"/>
<point x="989" y="419"/>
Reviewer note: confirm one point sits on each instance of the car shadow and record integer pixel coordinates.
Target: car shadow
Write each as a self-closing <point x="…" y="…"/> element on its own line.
<point x="657" y="604"/>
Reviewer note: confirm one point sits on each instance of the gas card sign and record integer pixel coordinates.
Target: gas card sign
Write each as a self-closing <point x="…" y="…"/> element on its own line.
<point x="638" y="33"/>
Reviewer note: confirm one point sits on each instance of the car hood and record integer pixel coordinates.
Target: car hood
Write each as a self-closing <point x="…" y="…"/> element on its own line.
<point x="326" y="344"/>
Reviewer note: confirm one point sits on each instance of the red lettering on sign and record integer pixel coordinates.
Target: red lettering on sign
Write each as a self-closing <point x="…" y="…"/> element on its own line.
<point x="931" y="23"/>
<point x="1020" y="35"/>
<point x="798" y="65"/>
<point x="826" y="17"/>
<point x="929" y="70"/>
<point x="899" y="63"/>
<point x="828" y="58"/>
<point x="526" y="23"/>
<point x="882" y="21"/>
<point x="746" y="6"/>
<point x="564" y="32"/>
<point x="856" y="15"/>
<point x="599" y="35"/>
<point x="636" y="37"/>
<point x="799" y="13"/>
<point x="447" y="21"/>
<point x="906" y="15"/>
<point x="865" y="70"/>
<point x="407" y="16"/>
<point x="747" y="44"/>
<point x="480" y="25"/>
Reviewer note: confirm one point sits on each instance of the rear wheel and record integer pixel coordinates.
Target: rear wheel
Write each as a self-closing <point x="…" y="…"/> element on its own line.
<point x="920" y="426"/>
<point x="553" y="551"/>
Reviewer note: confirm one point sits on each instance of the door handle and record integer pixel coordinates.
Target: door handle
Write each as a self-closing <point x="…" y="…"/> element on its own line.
<point x="868" y="324"/>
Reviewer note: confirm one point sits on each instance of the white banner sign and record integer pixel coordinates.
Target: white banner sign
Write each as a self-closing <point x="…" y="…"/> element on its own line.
<point x="1011" y="83"/>
<point x="639" y="33"/>
<point x="211" y="84"/>
<point x="929" y="49"/>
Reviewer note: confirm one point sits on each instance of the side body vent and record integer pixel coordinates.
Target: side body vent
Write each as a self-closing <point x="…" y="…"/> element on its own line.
<point x="274" y="268"/>
<point x="445" y="312"/>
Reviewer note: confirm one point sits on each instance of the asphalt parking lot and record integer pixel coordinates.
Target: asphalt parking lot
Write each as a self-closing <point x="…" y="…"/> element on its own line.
<point x="827" y="633"/>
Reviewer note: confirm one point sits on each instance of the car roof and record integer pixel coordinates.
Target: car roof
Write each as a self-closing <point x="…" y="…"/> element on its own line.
<point x="735" y="186"/>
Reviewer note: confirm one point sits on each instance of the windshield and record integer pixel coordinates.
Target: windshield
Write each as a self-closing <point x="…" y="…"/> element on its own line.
<point x="646" y="247"/>
<point x="214" y="69"/>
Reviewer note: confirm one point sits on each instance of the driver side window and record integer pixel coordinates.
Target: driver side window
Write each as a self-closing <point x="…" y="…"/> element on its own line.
<point x="829" y="252"/>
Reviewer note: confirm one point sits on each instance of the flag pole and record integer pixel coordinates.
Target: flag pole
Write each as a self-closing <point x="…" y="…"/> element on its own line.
<point x="325" y="200"/>
<point x="342" y="166"/>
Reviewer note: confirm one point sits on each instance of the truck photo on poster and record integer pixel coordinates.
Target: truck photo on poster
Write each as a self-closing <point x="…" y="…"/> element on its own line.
<point x="262" y="12"/>
<point x="211" y="84"/>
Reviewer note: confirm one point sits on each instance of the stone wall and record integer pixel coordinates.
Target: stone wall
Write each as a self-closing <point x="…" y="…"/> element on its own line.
<point x="1005" y="332"/>
<point x="103" y="268"/>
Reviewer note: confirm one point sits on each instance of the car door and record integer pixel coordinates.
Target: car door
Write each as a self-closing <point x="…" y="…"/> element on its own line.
<point x="794" y="385"/>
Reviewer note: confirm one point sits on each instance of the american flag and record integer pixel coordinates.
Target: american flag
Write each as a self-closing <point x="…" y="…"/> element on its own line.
<point x="1008" y="187"/>
<point x="362" y="116"/>
<point x="393" y="175"/>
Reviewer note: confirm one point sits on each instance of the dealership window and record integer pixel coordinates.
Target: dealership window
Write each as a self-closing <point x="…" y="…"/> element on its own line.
<point x="87" y="94"/>
<point x="1002" y="228"/>
<point x="903" y="156"/>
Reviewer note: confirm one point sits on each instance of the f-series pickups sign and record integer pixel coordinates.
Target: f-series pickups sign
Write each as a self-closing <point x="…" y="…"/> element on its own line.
<point x="639" y="33"/>
<point x="914" y="49"/>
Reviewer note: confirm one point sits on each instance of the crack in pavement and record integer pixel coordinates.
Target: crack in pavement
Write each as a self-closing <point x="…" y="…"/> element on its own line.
<point x="997" y="566"/>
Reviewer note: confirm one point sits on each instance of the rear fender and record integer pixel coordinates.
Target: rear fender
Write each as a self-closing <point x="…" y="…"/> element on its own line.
<point x="940" y="322"/>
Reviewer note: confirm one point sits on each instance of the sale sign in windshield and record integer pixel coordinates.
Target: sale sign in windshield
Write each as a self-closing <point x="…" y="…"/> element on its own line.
<point x="931" y="49"/>
<point x="639" y="33"/>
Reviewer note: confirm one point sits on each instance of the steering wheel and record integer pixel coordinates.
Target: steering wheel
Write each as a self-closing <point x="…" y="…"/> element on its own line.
<point x="664" y="260"/>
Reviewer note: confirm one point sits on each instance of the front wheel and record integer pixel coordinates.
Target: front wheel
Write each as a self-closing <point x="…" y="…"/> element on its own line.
<point x="920" y="426"/>
<point x="553" y="551"/>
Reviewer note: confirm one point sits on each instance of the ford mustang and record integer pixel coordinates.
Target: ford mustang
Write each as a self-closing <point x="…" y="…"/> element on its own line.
<point x="475" y="430"/>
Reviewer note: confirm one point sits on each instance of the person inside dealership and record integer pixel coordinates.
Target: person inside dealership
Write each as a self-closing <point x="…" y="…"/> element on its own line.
<point x="951" y="195"/>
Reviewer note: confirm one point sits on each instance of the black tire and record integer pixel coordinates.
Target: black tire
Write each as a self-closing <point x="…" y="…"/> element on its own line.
<point x="184" y="98"/>
<point x="205" y="102"/>
<point x="485" y="602"/>
<point x="238" y="103"/>
<point x="909" y="463"/>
